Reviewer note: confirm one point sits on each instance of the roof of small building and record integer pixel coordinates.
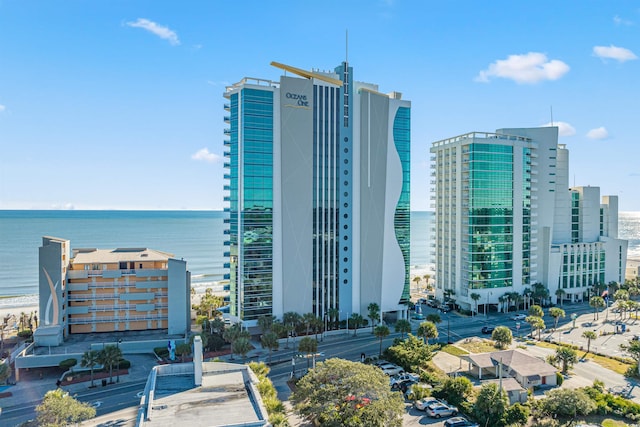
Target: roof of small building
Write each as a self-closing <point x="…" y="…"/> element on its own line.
<point x="106" y="256"/>
<point x="516" y="360"/>
<point x="508" y="384"/>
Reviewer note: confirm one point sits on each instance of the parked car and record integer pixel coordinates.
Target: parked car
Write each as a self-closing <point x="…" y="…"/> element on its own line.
<point x="432" y="303"/>
<point x="519" y="316"/>
<point x="444" y="308"/>
<point x="422" y="404"/>
<point x="391" y="369"/>
<point x="459" y="422"/>
<point x="487" y="329"/>
<point x="407" y="376"/>
<point x="438" y="410"/>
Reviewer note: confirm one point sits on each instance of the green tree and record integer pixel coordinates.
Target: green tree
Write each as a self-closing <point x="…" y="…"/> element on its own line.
<point x="560" y="295"/>
<point x="455" y="390"/>
<point x="89" y="360"/>
<point x="567" y="403"/>
<point x="412" y="354"/>
<point x="403" y="326"/>
<point x="416" y="280"/>
<point x="536" y="310"/>
<point x="109" y="356"/>
<point x="333" y="314"/>
<point x="427" y="330"/>
<point x="231" y="334"/>
<point x="241" y="346"/>
<point x="633" y="350"/>
<point x="58" y="409"/>
<point x="517" y="415"/>
<point x="343" y="393"/>
<point x="536" y="323"/>
<point x="475" y="297"/>
<point x="270" y="342"/>
<point x="540" y="292"/>
<point x="357" y="320"/>
<point x="265" y="322"/>
<point x="566" y="357"/>
<point x="434" y="317"/>
<point x="589" y="335"/>
<point x="209" y="304"/>
<point x="491" y="405"/>
<point x="290" y="320"/>
<point x="381" y="331"/>
<point x="556" y="313"/>
<point x="307" y="320"/>
<point x="308" y="346"/>
<point x="183" y="350"/>
<point x="373" y="314"/>
<point x="5" y="371"/>
<point x="596" y="302"/>
<point x="502" y="336"/>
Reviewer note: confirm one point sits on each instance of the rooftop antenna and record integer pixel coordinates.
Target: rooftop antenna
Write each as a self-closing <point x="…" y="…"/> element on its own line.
<point x="346" y="48"/>
<point x="551" y="108"/>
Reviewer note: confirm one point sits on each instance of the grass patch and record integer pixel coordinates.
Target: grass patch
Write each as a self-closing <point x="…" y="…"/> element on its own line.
<point x="613" y="423"/>
<point x="477" y="346"/>
<point x="454" y="350"/>
<point x="607" y="362"/>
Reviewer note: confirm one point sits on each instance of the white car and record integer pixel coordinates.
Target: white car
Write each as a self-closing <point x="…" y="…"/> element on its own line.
<point x="403" y="377"/>
<point x="519" y="317"/>
<point x="438" y="410"/>
<point x="391" y="369"/>
<point x="422" y="404"/>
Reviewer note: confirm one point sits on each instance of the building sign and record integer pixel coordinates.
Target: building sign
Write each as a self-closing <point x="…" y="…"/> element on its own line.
<point x="298" y="100"/>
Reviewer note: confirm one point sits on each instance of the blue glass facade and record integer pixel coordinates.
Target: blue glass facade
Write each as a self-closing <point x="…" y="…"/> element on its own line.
<point x="251" y="203"/>
<point x="402" y="218"/>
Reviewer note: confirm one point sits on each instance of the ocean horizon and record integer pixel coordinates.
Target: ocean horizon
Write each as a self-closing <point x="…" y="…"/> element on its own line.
<point x="194" y="235"/>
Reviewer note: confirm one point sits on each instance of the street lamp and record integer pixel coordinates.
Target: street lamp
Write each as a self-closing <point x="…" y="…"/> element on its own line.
<point x="118" y="354"/>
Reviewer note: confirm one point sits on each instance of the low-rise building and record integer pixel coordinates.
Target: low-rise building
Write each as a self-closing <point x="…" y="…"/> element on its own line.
<point x="110" y="290"/>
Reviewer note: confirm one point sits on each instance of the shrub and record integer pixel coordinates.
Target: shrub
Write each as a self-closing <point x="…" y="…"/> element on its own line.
<point x="27" y="333"/>
<point x="67" y="364"/>
<point x="161" y="352"/>
<point x="124" y="364"/>
<point x="559" y="379"/>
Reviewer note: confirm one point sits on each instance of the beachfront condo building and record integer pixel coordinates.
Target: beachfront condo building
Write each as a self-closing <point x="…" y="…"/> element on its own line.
<point x="506" y="219"/>
<point x="318" y="195"/>
<point x="110" y="290"/>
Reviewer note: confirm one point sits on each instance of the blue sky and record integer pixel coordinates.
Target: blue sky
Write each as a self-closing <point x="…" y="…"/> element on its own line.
<point x="118" y="104"/>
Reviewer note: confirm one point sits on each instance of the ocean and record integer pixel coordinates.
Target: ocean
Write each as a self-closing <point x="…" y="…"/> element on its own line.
<point x="196" y="236"/>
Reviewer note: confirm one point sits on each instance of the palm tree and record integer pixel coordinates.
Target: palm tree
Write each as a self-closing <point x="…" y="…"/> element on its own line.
<point x="560" y="294"/>
<point x="231" y="334"/>
<point x="89" y="360"/>
<point x="270" y="342"/>
<point x="265" y="322"/>
<point x="317" y="325"/>
<point x="357" y="321"/>
<point x="403" y="326"/>
<point x="381" y="331"/>
<point x="434" y="317"/>
<point x="427" y="330"/>
<point x="333" y="314"/>
<point x="309" y="346"/>
<point x="307" y="320"/>
<point x="475" y="297"/>
<point x="416" y="280"/>
<point x="596" y="302"/>
<point x="589" y="335"/>
<point x="556" y="313"/>
<point x="374" y="314"/>
<point x="290" y="320"/>
<point x="241" y="346"/>
<point x="108" y="356"/>
<point x="526" y="293"/>
<point x="426" y="278"/>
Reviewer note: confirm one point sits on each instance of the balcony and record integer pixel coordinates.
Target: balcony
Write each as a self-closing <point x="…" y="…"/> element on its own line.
<point x="226" y="254"/>
<point x="227" y="277"/>
<point x="226" y="188"/>
<point x="226" y="165"/>
<point x="226" y="232"/>
<point x="226" y="154"/>
<point x="227" y="107"/>
<point x="226" y="119"/>
<point x="227" y="131"/>
<point x="226" y="265"/>
<point x="226" y="176"/>
<point x="226" y="143"/>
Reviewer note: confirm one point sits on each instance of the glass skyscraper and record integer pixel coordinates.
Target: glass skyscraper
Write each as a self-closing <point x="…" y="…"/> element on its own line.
<point x="318" y="195"/>
<point x="507" y="220"/>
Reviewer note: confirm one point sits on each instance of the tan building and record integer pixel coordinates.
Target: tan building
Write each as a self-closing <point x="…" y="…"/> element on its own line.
<point x="107" y="290"/>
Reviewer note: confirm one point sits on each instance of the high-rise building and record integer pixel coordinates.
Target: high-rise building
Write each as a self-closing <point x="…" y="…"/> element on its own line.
<point x="109" y="290"/>
<point x="319" y="207"/>
<point x="506" y="220"/>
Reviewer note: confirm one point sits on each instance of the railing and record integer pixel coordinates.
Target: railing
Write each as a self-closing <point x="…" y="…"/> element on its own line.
<point x="104" y="319"/>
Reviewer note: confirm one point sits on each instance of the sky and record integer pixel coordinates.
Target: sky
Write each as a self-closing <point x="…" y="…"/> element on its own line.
<point x="118" y="104"/>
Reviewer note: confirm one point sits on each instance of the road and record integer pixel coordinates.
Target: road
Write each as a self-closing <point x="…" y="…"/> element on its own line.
<point x="105" y="400"/>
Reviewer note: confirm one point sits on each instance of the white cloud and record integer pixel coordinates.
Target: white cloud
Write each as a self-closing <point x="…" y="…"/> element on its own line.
<point x="619" y="21"/>
<point x="528" y="68"/>
<point x="620" y="54"/>
<point x="598" y="133"/>
<point x="157" y="29"/>
<point x="204" y="155"/>
<point x="2" y="108"/>
<point x="564" y="128"/>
